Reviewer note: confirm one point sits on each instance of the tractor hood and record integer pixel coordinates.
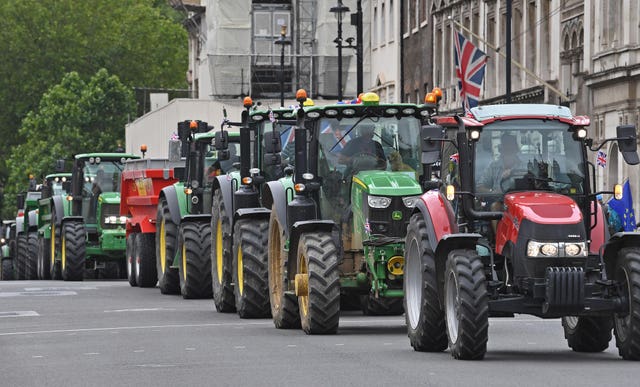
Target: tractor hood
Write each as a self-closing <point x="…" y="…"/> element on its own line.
<point x="110" y="197"/>
<point x="543" y="208"/>
<point x="386" y="183"/>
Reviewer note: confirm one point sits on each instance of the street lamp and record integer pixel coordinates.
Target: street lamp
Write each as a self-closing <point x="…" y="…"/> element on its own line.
<point x="339" y="10"/>
<point x="282" y="42"/>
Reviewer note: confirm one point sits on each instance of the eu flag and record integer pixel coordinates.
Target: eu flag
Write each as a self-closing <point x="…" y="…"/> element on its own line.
<point x="624" y="208"/>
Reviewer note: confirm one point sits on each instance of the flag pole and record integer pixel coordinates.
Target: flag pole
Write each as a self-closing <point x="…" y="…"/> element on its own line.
<point x="514" y="62"/>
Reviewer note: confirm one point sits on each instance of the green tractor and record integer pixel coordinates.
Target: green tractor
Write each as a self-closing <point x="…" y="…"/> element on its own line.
<point x="183" y="218"/>
<point x="7" y="249"/>
<point x="240" y="222"/>
<point x="337" y="224"/>
<point x="27" y="235"/>
<point x="84" y="230"/>
<point x="55" y="185"/>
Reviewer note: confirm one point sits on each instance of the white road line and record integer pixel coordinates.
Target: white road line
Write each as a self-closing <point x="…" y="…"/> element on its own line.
<point x="291" y="345"/>
<point x="58" y="288"/>
<point x="37" y="356"/>
<point x="155" y="365"/>
<point x="91" y="353"/>
<point x="239" y="347"/>
<point x="138" y="351"/>
<point x="189" y="349"/>
<point x="137" y="310"/>
<point x="19" y="313"/>
<point x="339" y="344"/>
<point x="54" y="293"/>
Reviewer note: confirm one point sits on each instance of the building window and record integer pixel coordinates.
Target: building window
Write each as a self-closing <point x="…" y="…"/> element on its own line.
<point x="383" y="31"/>
<point x="267" y="22"/>
<point x="374" y="35"/>
<point x="417" y="14"/>
<point x="392" y="31"/>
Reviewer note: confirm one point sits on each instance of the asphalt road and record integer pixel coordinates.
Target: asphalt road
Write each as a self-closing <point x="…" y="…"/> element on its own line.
<point x="99" y="333"/>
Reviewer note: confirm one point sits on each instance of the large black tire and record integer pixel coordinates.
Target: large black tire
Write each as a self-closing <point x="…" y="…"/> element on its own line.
<point x="55" y="266"/>
<point x="250" y="274"/>
<point x="627" y="326"/>
<point x="284" y="304"/>
<point x="194" y="245"/>
<point x="44" y="258"/>
<point x="130" y="253"/>
<point x="381" y="306"/>
<point x="318" y="266"/>
<point x="587" y="334"/>
<point x="145" y="258"/>
<point x="221" y="256"/>
<point x="166" y="243"/>
<point x="7" y="269"/>
<point x="31" y="263"/>
<point x="21" y="256"/>
<point x="73" y="251"/>
<point x="466" y="305"/>
<point x="423" y="312"/>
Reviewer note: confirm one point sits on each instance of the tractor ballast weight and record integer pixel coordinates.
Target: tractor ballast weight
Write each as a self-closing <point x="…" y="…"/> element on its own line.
<point x="519" y="231"/>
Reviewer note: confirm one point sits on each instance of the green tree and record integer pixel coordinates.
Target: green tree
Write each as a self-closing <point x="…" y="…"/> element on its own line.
<point x="73" y="117"/>
<point x="140" y="41"/>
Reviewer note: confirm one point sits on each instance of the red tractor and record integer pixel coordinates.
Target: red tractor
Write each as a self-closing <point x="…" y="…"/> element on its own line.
<point x="513" y="226"/>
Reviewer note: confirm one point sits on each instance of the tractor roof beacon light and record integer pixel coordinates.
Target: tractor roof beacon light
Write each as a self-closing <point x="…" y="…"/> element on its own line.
<point x="438" y="93"/>
<point x="430" y="98"/>
<point x="247" y="102"/>
<point x="370" y="99"/>
<point x="301" y="96"/>
<point x="308" y="102"/>
<point x="143" y="149"/>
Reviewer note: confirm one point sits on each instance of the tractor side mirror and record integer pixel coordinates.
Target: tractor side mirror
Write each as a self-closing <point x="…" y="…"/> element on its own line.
<point x="627" y="143"/>
<point x="221" y="142"/>
<point x="431" y="136"/>
<point x="272" y="142"/>
<point x="183" y="130"/>
<point x="59" y="168"/>
<point x="20" y="201"/>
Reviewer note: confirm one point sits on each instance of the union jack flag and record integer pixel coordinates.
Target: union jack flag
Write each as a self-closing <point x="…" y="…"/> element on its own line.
<point x="287" y="136"/>
<point x="338" y="136"/>
<point x="601" y="159"/>
<point x="455" y="158"/>
<point x="471" y="63"/>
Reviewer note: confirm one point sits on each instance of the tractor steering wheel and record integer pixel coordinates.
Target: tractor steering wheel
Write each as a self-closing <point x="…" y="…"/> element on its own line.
<point x="364" y="161"/>
<point x="513" y="173"/>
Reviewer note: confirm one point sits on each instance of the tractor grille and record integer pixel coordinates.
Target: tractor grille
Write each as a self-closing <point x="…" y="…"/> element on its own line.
<point x="110" y="210"/>
<point x="381" y="220"/>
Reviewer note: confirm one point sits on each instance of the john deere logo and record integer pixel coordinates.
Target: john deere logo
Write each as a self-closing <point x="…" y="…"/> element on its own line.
<point x="396" y="215"/>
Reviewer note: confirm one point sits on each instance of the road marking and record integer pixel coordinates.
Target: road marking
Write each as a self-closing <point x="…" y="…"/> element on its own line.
<point x="291" y="345"/>
<point x="59" y="288"/>
<point x="136" y="310"/>
<point x="239" y="347"/>
<point x="19" y="313"/>
<point x="339" y="344"/>
<point x="138" y="351"/>
<point x="91" y="353"/>
<point x="387" y="344"/>
<point x="37" y="356"/>
<point x="155" y="365"/>
<point x="38" y="294"/>
<point x="189" y="349"/>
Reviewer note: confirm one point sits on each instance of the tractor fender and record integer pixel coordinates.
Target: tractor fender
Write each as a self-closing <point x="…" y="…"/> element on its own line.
<point x="19" y="225"/>
<point x="58" y="208"/>
<point x="617" y="242"/>
<point x="224" y="184"/>
<point x="444" y="247"/>
<point x="33" y="219"/>
<point x="252" y="213"/>
<point x="438" y="215"/>
<point x="274" y="195"/>
<point x="199" y="218"/>
<point x="301" y="227"/>
<point x="171" y="196"/>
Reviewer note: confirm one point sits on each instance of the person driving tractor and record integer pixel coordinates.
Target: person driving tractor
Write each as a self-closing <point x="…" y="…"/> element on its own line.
<point x="364" y="144"/>
<point x="501" y="170"/>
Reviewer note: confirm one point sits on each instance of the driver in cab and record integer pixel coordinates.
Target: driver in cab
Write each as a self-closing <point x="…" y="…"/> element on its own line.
<point x="499" y="172"/>
<point x="363" y="146"/>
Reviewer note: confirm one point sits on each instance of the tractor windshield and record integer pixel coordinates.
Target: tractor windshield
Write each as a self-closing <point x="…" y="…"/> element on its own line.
<point x="56" y="184"/>
<point x="528" y="155"/>
<point x="354" y="144"/>
<point x="103" y="176"/>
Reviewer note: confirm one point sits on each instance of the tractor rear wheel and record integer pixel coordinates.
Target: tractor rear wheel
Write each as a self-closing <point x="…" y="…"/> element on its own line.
<point x="166" y="238"/>
<point x="627" y="326"/>
<point x="423" y="312"/>
<point x="587" y="334"/>
<point x="7" y="269"/>
<point x="195" y="264"/>
<point x="55" y="270"/>
<point x="21" y="256"/>
<point x="44" y="258"/>
<point x="145" y="261"/>
<point x="73" y="251"/>
<point x="466" y="305"/>
<point x="221" y="256"/>
<point x="31" y="263"/>
<point x="381" y="306"/>
<point x="318" y="283"/>
<point x="250" y="268"/>
<point x="284" y="304"/>
<point x="131" y="256"/>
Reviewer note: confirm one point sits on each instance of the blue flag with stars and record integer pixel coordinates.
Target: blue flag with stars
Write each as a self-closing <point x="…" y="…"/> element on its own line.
<point x="624" y="208"/>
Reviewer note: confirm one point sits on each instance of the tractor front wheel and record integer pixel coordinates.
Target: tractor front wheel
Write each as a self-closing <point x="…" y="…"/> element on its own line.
<point x="131" y="256"/>
<point x="317" y="283"/>
<point x="284" y="305"/>
<point x="250" y="268"/>
<point x="31" y="263"/>
<point x="7" y="269"/>
<point x="423" y="312"/>
<point x="166" y="237"/>
<point x="73" y="251"/>
<point x="221" y="256"/>
<point x="21" y="256"/>
<point x="44" y="258"/>
<point x="195" y="264"/>
<point x="145" y="261"/>
<point x="466" y="305"/>
<point x="627" y="326"/>
<point x="587" y="334"/>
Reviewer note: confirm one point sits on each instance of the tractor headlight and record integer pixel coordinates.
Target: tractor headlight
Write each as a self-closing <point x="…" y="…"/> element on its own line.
<point x="577" y="249"/>
<point x="2" y="240"/>
<point x="542" y="249"/>
<point x="111" y="219"/>
<point x="123" y="219"/>
<point x="378" y="201"/>
<point x="410" y="201"/>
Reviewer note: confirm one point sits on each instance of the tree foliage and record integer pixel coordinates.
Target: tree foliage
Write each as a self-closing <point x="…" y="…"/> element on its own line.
<point x="73" y="117"/>
<point x="139" y="41"/>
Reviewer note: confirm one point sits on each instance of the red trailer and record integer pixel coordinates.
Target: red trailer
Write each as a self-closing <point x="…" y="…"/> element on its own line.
<point x="142" y="181"/>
